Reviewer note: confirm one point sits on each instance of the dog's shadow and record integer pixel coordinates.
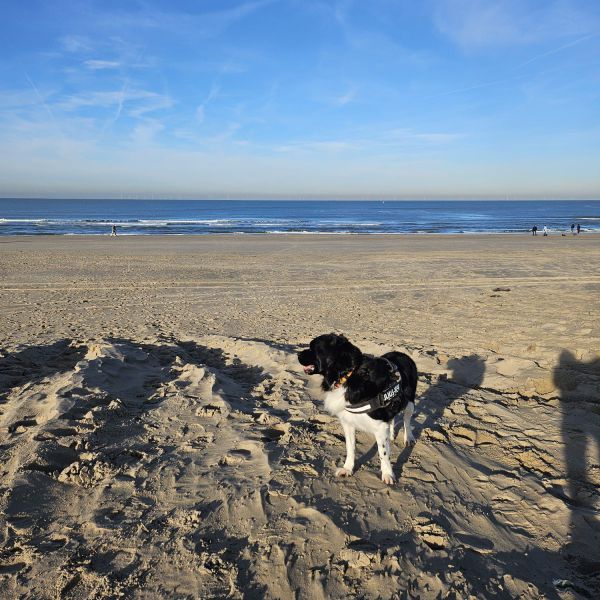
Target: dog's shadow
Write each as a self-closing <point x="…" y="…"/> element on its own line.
<point x="466" y="373"/>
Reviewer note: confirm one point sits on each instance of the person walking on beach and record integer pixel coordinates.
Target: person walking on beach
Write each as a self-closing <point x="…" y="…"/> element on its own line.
<point x="545" y="231"/>
<point x="573" y="228"/>
<point x="114" y="230"/>
<point x="534" y="230"/>
<point x="578" y="228"/>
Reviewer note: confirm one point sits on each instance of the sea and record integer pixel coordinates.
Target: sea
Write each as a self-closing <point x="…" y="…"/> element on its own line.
<point x="197" y="217"/>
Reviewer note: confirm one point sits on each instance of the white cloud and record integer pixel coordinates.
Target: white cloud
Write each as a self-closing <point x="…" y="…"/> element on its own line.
<point x="96" y="65"/>
<point x="76" y="43"/>
<point x="197" y="25"/>
<point x="212" y="94"/>
<point x="18" y="99"/>
<point x="140" y="101"/>
<point x="346" y="98"/>
<point x="145" y="132"/>
<point x="381" y="141"/>
<point x="222" y="136"/>
<point x="71" y="168"/>
<point x="476" y="24"/>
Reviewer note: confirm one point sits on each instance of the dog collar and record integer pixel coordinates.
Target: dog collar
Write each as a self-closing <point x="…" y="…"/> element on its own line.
<point x="343" y="379"/>
<point x="382" y="399"/>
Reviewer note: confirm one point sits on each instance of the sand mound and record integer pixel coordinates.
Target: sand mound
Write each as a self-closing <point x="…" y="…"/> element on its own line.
<point x="204" y="469"/>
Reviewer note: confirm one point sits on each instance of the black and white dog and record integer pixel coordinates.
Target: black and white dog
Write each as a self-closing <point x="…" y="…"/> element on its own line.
<point x="364" y="392"/>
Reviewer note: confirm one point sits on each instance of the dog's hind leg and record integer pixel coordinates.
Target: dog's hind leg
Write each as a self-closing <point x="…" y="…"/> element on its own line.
<point x="350" y="435"/>
<point x="409" y="438"/>
<point x="393" y="429"/>
<point x="383" y="445"/>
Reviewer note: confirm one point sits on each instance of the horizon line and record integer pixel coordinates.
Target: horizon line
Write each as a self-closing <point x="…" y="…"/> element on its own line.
<point x="216" y="198"/>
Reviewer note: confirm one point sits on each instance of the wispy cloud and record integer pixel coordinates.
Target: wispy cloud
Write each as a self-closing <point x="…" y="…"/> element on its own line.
<point x="145" y="131"/>
<point x="112" y="121"/>
<point x="470" y="88"/>
<point x="302" y="94"/>
<point x="76" y="43"/>
<point x="345" y="98"/>
<point x="383" y="140"/>
<point x="367" y="38"/>
<point x="200" y="24"/>
<point x="200" y="109"/>
<point x="326" y="146"/>
<point x="222" y="136"/>
<point x="141" y="101"/>
<point x="474" y="24"/>
<point x="98" y="65"/>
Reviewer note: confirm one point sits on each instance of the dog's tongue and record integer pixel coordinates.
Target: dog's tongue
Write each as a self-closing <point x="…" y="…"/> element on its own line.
<point x="309" y="369"/>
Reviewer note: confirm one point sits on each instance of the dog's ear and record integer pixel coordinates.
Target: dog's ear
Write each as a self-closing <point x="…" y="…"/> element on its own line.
<point x="343" y="357"/>
<point x="349" y="355"/>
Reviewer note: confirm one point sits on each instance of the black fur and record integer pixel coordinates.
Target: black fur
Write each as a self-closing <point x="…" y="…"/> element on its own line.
<point x="333" y="356"/>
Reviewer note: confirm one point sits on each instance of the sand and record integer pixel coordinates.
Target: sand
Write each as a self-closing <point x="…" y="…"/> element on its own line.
<point x="159" y="439"/>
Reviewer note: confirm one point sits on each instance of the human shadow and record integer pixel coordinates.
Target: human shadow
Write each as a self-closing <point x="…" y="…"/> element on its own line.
<point x="579" y="385"/>
<point x="575" y="569"/>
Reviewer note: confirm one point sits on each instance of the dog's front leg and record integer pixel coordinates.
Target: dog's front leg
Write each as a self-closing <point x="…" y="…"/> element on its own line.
<point x="383" y="445"/>
<point x="350" y="435"/>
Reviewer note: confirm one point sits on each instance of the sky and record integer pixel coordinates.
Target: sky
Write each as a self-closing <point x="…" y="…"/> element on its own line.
<point x="300" y="99"/>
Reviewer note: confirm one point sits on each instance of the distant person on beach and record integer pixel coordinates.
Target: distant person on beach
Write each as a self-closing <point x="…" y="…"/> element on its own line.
<point x="578" y="228"/>
<point x="534" y="230"/>
<point x="114" y="230"/>
<point x="573" y="228"/>
<point x="545" y="230"/>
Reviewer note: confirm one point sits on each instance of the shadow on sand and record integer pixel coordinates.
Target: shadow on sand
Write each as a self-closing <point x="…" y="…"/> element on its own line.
<point x="574" y="572"/>
<point x="580" y="426"/>
<point x="33" y="363"/>
<point x="466" y="373"/>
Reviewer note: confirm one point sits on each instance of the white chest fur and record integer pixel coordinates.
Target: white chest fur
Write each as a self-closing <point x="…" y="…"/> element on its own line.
<point x="335" y="404"/>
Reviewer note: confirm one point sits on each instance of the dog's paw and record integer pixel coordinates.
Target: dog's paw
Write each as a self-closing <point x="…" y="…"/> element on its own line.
<point x="388" y="478"/>
<point x="341" y="472"/>
<point x="409" y="439"/>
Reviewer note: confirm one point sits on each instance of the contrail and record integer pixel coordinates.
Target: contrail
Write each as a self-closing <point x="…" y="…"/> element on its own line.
<point x="555" y="50"/>
<point x="507" y="79"/>
<point x="468" y="89"/>
<point x="121" y="102"/>
<point x="43" y="103"/>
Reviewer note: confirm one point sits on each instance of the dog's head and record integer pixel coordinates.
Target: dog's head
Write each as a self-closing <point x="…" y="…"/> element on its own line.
<point x="330" y="355"/>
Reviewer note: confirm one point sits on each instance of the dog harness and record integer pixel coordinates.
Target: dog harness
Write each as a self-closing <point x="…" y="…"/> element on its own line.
<point x="382" y="399"/>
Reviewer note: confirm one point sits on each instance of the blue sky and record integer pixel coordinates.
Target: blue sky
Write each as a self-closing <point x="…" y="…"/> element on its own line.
<point x="300" y="98"/>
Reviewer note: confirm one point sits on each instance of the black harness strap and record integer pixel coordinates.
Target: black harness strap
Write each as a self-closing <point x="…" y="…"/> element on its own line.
<point x="382" y="399"/>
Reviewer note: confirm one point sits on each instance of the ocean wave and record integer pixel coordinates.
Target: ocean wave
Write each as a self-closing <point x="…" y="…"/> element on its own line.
<point x="2" y="220"/>
<point x="299" y="218"/>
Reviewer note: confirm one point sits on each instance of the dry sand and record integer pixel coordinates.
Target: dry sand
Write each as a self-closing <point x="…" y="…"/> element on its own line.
<point x="158" y="438"/>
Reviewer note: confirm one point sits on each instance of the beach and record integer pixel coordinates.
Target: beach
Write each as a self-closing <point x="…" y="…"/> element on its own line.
<point x="160" y="439"/>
